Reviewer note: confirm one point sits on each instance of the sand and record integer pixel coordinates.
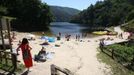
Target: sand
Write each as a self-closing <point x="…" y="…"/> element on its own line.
<point x="79" y="57"/>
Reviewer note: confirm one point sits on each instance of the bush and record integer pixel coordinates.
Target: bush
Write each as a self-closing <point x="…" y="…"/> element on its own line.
<point x="122" y="53"/>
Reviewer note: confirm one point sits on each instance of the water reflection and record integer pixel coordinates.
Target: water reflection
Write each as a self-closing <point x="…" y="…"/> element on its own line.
<point x="68" y="28"/>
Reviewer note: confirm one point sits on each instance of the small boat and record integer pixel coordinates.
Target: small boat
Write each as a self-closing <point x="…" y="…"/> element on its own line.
<point x="100" y="32"/>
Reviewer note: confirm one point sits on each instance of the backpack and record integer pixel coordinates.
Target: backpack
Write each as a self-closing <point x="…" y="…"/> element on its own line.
<point x="26" y="53"/>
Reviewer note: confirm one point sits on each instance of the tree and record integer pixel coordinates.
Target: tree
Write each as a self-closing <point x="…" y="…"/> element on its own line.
<point x="30" y="14"/>
<point x="107" y="13"/>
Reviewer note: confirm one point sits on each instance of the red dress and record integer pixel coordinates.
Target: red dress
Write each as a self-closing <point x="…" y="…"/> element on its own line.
<point x="28" y="62"/>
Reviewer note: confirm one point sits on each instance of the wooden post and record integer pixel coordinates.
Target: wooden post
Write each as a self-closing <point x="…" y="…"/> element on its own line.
<point x="53" y="70"/>
<point x="0" y="57"/>
<point x="2" y="37"/>
<point x="112" y="54"/>
<point x="9" y="29"/>
<point x="14" y="61"/>
<point x="5" y="56"/>
<point x="101" y="46"/>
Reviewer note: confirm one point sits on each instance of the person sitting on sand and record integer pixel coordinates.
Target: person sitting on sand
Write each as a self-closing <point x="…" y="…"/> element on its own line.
<point x="14" y="35"/>
<point x="41" y="55"/>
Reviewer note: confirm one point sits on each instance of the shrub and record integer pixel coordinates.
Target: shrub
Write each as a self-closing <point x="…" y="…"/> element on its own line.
<point x="122" y="53"/>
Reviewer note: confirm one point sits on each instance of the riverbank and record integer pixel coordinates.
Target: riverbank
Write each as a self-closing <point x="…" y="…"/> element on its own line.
<point x="79" y="57"/>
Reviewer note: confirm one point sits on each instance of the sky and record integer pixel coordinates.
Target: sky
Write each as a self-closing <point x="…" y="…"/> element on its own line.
<point x="78" y="4"/>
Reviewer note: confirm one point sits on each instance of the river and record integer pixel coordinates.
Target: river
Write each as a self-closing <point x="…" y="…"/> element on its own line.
<point x="68" y="28"/>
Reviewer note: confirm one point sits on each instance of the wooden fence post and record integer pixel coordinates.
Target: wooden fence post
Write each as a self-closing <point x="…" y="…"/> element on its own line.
<point x="101" y="46"/>
<point x="53" y="70"/>
<point x="112" y="54"/>
<point x="14" y="61"/>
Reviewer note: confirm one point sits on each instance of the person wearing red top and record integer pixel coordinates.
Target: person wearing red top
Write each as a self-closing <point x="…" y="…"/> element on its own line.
<point x="26" y="54"/>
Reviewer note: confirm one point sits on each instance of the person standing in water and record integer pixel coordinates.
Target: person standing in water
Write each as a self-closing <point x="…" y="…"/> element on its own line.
<point x="26" y="54"/>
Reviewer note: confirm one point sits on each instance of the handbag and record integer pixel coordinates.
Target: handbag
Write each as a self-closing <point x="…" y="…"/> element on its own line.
<point x="26" y="53"/>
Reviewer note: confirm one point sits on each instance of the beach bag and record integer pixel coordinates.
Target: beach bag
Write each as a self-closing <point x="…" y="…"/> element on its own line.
<point x="26" y="53"/>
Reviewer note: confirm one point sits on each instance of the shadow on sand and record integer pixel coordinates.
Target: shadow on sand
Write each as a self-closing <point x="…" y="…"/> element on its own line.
<point x="25" y="73"/>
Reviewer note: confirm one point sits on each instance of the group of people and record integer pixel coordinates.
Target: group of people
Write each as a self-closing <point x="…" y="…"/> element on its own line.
<point x="26" y="53"/>
<point x="124" y="35"/>
<point x="67" y="37"/>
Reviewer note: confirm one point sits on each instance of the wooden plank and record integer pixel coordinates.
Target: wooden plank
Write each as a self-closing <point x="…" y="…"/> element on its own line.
<point x="2" y="37"/>
<point x="9" y="36"/>
<point x="54" y="69"/>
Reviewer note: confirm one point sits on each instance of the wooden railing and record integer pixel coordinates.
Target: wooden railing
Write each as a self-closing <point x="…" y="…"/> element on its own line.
<point x="113" y="54"/>
<point x="8" y="58"/>
<point x="55" y="70"/>
<point x="109" y="52"/>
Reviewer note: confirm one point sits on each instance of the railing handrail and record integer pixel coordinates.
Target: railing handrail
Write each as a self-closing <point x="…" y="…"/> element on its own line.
<point x="55" y="68"/>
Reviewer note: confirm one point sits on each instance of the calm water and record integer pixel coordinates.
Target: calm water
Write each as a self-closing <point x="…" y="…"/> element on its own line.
<point x="67" y="28"/>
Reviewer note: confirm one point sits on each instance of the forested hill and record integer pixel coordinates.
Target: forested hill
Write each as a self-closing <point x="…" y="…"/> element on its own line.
<point x="62" y="14"/>
<point x="31" y="15"/>
<point x="107" y="13"/>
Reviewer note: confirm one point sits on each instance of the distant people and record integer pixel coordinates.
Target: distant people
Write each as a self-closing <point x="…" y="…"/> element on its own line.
<point x="86" y="34"/>
<point x="59" y="34"/>
<point x="26" y="54"/>
<point x="68" y="37"/>
<point x="43" y="33"/>
<point x="58" y="37"/>
<point x="41" y="55"/>
<point x="82" y="35"/>
<point x="78" y="37"/>
<point x="130" y="35"/>
<point x="19" y="42"/>
<point x="32" y="38"/>
<point x="102" y="44"/>
<point x="13" y="36"/>
<point x="121" y="35"/>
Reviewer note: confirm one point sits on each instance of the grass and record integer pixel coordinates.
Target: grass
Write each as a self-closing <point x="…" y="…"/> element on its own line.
<point x="8" y="67"/>
<point x="116" y="68"/>
<point x="20" y="68"/>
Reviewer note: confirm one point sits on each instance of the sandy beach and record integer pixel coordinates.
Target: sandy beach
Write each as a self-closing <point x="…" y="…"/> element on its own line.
<point x="79" y="57"/>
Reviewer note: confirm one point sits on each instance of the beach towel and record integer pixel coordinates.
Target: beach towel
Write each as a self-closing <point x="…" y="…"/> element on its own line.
<point x="49" y="55"/>
<point x="51" y="39"/>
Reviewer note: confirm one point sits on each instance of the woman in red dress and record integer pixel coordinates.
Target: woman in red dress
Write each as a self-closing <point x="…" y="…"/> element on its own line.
<point x="26" y="54"/>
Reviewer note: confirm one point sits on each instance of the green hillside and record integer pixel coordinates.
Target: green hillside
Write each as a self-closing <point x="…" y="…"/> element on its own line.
<point x="29" y="14"/>
<point x="62" y="14"/>
<point x="107" y="13"/>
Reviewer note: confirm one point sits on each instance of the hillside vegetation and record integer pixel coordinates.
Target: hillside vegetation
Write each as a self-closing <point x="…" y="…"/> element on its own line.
<point x="63" y="14"/>
<point x="129" y="26"/>
<point x="107" y="13"/>
<point x="31" y="15"/>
